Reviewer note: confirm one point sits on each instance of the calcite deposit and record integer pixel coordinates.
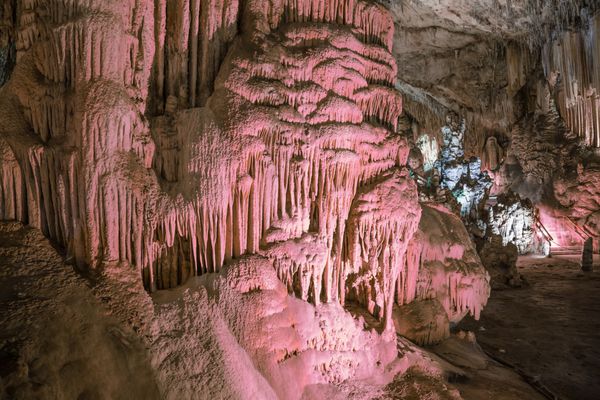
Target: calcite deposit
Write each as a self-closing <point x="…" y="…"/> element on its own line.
<point x="446" y="265"/>
<point x="500" y="260"/>
<point x="571" y="65"/>
<point x="513" y="219"/>
<point x="264" y="194"/>
<point x="157" y="140"/>
<point x="298" y="119"/>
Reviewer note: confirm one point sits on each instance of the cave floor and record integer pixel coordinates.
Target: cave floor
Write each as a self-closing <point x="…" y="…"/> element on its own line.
<point x="550" y="329"/>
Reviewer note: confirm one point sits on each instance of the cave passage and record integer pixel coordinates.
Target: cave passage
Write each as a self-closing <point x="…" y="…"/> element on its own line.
<point x="549" y="328"/>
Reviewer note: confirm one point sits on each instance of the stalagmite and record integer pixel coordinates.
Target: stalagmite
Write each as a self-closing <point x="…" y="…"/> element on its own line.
<point x="492" y="154"/>
<point x="587" y="255"/>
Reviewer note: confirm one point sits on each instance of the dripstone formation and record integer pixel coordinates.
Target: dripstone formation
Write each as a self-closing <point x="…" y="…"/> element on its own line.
<point x="261" y="195"/>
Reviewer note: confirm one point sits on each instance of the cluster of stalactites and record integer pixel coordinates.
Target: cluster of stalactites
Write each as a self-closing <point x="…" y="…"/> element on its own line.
<point x="384" y="216"/>
<point x="192" y="38"/>
<point x="317" y="125"/>
<point x="372" y="22"/>
<point x="202" y="235"/>
<point x="441" y="263"/>
<point x="519" y="62"/>
<point x="326" y="121"/>
<point x="72" y="44"/>
<point x="271" y="165"/>
<point x="573" y="60"/>
<point x="81" y="72"/>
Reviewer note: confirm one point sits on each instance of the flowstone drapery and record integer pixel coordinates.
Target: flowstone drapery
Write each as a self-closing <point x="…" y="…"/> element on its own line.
<point x="113" y="159"/>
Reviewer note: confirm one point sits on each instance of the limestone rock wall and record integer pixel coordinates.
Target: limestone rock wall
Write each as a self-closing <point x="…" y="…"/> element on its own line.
<point x="236" y="334"/>
<point x="73" y="111"/>
<point x="7" y="40"/>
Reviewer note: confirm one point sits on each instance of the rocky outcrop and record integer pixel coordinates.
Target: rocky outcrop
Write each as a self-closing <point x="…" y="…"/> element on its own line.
<point x="521" y="74"/>
<point x="383" y="218"/>
<point x="283" y="141"/>
<point x="425" y="322"/>
<point x="578" y="217"/>
<point x="513" y="219"/>
<point x="500" y="260"/>
<point x="294" y="344"/>
<point x="251" y="155"/>
<point x="58" y="340"/>
<point x="443" y="259"/>
<point x="7" y="40"/>
<point x="233" y="335"/>
<point x="474" y="57"/>
<point x="464" y="178"/>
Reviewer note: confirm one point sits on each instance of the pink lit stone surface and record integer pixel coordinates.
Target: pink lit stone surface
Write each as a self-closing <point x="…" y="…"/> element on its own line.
<point x="245" y="156"/>
<point x="301" y="116"/>
<point x="211" y="199"/>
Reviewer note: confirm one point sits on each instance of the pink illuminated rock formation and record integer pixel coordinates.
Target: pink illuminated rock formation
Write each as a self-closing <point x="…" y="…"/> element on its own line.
<point x="292" y="343"/>
<point x="423" y="321"/>
<point x="283" y="143"/>
<point x="383" y="219"/>
<point x="237" y="334"/>
<point x="581" y="196"/>
<point x="447" y="266"/>
<point x="244" y="155"/>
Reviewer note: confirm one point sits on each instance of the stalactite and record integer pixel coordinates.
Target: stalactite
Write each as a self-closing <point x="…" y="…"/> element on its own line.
<point x="372" y="20"/>
<point x="574" y="56"/>
<point x="64" y="189"/>
<point x="299" y="264"/>
<point x="383" y="217"/>
<point x="447" y="266"/>
<point x="12" y="206"/>
<point x="382" y="102"/>
<point x="519" y="64"/>
<point x="192" y="40"/>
